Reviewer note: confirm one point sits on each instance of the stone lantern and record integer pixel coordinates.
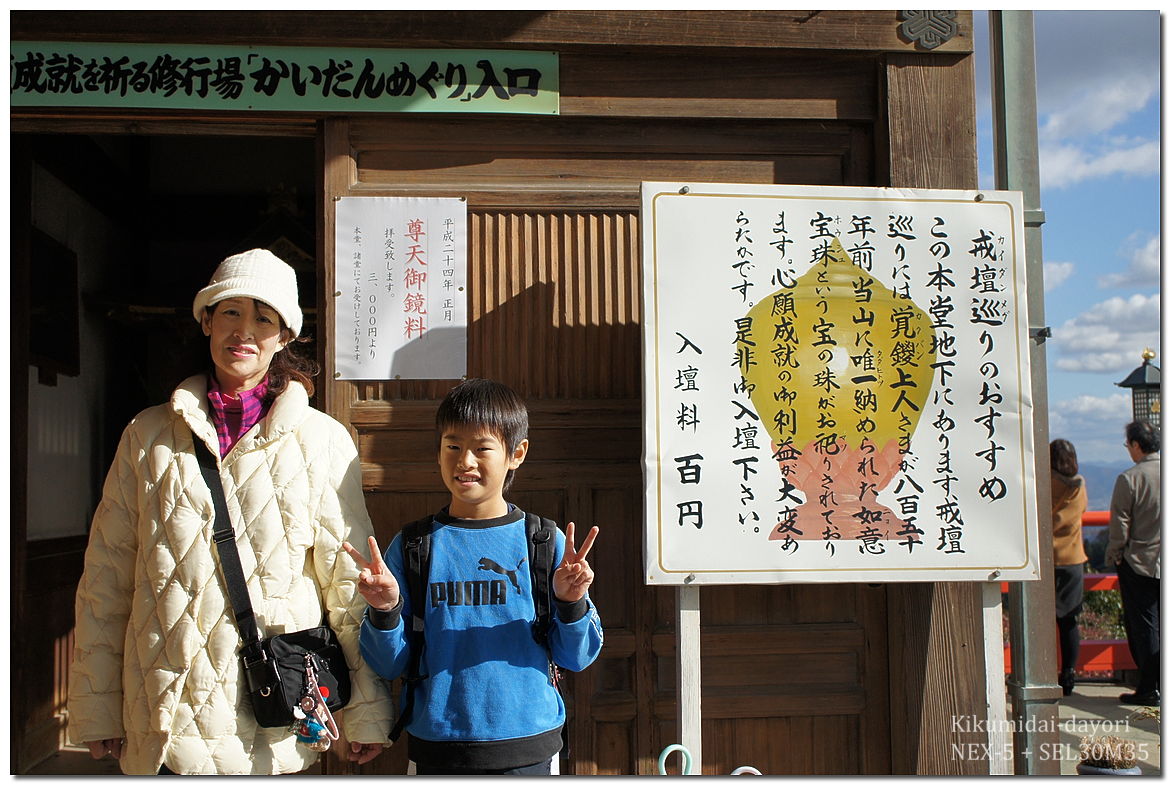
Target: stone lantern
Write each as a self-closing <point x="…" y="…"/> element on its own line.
<point x="1146" y="385"/>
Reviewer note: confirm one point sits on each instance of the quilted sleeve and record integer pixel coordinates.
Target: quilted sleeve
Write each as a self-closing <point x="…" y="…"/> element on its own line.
<point x="341" y="515"/>
<point x="103" y="602"/>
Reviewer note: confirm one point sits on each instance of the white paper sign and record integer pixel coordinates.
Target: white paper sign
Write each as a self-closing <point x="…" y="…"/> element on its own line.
<point x="836" y="385"/>
<point x="401" y="270"/>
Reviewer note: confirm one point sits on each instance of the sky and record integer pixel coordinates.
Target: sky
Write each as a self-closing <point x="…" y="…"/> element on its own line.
<point x="1098" y="115"/>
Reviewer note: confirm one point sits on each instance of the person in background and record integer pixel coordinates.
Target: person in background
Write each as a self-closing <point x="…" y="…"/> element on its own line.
<point x="156" y="680"/>
<point x="1135" y="547"/>
<point x="1069" y="500"/>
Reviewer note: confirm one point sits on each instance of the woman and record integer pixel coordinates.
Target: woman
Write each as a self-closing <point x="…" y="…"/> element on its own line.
<point x="1069" y="499"/>
<point x="156" y="680"/>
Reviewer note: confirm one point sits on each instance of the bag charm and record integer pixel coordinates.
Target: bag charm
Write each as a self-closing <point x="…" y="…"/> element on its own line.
<point x="313" y="723"/>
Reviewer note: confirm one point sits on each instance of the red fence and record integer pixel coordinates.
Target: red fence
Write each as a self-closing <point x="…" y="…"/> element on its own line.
<point x="1099" y="655"/>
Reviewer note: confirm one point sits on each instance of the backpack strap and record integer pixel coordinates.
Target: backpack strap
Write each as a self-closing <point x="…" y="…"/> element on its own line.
<point x="416" y="552"/>
<point x="416" y="556"/>
<point x="541" y="550"/>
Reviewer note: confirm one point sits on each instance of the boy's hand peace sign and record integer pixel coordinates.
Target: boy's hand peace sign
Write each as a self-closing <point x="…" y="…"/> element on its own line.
<point x="376" y="583"/>
<point x="574" y="575"/>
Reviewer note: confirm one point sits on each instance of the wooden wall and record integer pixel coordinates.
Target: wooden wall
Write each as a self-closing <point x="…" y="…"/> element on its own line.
<point x="844" y="679"/>
<point x="554" y="288"/>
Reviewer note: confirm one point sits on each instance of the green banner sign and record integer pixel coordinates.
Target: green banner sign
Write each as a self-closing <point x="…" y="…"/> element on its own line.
<point x="283" y="78"/>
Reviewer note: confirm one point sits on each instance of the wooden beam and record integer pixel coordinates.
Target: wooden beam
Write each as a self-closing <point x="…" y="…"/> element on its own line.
<point x="337" y="172"/>
<point x="936" y="630"/>
<point x="139" y="122"/>
<point x="874" y="31"/>
<point x="931" y="111"/>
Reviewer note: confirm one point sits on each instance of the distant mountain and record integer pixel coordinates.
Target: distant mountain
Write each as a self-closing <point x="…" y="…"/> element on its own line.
<point x="1099" y="477"/>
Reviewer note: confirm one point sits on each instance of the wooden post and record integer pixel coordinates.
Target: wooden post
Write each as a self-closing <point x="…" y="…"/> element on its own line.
<point x="998" y="738"/>
<point x="689" y="683"/>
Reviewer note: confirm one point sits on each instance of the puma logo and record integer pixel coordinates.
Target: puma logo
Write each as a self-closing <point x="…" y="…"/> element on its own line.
<point x="487" y="564"/>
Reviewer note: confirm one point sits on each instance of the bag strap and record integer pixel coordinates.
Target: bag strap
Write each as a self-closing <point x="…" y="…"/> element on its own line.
<point x="541" y="550"/>
<point x="225" y="541"/>
<point x="416" y="556"/>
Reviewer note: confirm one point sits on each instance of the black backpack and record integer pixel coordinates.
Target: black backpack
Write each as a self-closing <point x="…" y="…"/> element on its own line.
<point x="416" y="548"/>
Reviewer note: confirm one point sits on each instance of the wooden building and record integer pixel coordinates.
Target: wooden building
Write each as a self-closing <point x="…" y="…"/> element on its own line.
<point x="120" y="214"/>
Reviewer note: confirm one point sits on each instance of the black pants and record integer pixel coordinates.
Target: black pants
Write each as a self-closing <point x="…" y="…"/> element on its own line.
<point x="1070" y="641"/>
<point x="536" y="769"/>
<point x="1139" y="607"/>
<point x="1070" y="581"/>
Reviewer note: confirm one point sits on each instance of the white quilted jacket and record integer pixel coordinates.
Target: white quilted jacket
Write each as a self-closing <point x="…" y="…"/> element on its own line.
<point x="155" y="655"/>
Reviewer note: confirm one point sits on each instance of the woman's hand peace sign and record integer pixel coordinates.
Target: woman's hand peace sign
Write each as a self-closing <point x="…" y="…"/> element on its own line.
<point x="376" y="583"/>
<point x="574" y="575"/>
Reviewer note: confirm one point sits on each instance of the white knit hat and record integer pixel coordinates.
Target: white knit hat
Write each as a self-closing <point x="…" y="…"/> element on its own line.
<point x="258" y="274"/>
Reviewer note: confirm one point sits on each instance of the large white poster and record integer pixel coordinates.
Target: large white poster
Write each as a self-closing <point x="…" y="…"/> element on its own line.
<point x="401" y="272"/>
<point x="836" y="385"/>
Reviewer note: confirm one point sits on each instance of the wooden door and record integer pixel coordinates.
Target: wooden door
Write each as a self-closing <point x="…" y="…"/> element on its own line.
<point x="794" y="677"/>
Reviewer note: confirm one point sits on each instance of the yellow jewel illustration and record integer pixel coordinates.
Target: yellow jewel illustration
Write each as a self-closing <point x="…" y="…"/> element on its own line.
<point x="842" y="368"/>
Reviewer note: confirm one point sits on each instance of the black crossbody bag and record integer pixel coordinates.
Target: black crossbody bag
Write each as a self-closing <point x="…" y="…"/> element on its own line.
<point x="274" y="667"/>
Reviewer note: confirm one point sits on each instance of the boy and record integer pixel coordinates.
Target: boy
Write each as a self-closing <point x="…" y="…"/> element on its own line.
<point x="485" y="702"/>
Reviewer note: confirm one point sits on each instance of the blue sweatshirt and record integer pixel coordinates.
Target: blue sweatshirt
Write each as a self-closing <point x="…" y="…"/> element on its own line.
<point x="486" y="699"/>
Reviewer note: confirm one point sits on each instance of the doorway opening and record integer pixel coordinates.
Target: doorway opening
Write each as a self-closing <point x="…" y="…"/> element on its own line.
<point x="112" y="238"/>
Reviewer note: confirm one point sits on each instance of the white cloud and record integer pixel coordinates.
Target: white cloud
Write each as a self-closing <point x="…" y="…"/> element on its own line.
<point x="1093" y="423"/>
<point x="1056" y="273"/>
<point x="1085" y="89"/>
<point x="1110" y="336"/>
<point x="1100" y="107"/>
<point x="1067" y="164"/>
<point x="1082" y="406"/>
<point x="1093" y="68"/>
<point x="1145" y="264"/>
<point x="1090" y="64"/>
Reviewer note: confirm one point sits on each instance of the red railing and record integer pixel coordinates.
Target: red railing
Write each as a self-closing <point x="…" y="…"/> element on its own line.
<point x="1096" y="655"/>
<point x="1095" y="518"/>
